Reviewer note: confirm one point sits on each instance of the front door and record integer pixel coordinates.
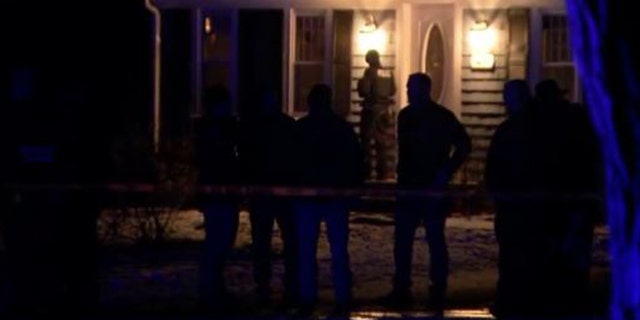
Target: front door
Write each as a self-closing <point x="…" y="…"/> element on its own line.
<point x="432" y="48"/>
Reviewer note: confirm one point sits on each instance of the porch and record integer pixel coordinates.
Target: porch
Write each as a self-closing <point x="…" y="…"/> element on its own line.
<point x="287" y="46"/>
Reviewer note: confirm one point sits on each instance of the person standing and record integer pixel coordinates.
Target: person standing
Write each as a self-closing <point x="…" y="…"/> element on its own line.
<point x="508" y="177"/>
<point x="216" y="141"/>
<point x="330" y="156"/>
<point x="267" y="153"/>
<point x="432" y="144"/>
<point x="571" y="175"/>
<point x="49" y="229"/>
<point x="376" y="88"/>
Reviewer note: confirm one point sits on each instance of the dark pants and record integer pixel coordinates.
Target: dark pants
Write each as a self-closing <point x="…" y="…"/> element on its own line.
<point x="29" y="239"/>
<point x="577" y="256"/>
<point x="544" y="258"/>
<point x="78" y="239"/>
<point x="372" y="130"/>
<point x="52" y="252"/>
<point x="521" y="258"/>
<point x="264" y="212"/>
<point x="309" y="215"/>
<point x="567" y="275"/>
<point x="221" y="225"/>
<point x="410" y="213"/>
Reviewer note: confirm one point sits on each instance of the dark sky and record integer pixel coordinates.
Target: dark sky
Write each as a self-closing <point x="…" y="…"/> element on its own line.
<point x="104" y="44"/>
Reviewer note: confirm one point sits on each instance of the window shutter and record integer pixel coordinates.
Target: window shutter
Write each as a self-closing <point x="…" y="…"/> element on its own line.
<point x="518" y="43"/>
<point x="343" y="26"/>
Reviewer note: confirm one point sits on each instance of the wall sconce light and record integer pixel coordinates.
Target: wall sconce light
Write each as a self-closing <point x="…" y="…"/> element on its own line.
<point x="481" y="42"/>
<point x="370" y="24"/>
<point x="371" y="36"/>
<point x="209" y="31"/>
<point x="207" y="25"/>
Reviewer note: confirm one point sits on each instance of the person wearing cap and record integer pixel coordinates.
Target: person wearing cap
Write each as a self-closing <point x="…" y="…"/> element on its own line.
<point x="376" y="88"/>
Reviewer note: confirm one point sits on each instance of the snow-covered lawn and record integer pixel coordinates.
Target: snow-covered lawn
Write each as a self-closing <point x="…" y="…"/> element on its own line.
<point x="168" y="274"/>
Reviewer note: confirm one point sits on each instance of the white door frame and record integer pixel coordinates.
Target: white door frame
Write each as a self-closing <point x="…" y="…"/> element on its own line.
<point x="410" y="61"/>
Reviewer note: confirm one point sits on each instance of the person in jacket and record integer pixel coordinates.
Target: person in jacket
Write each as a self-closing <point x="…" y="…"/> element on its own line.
<point x="432" y="145"/>
<point x="216" y="143"/>
<point x="330" y="158"/>
<point x="377" y="89"/>
<point x="267" y="153"/>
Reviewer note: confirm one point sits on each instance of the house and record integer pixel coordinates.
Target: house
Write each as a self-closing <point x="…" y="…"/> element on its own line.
<point x="469" y="47"/>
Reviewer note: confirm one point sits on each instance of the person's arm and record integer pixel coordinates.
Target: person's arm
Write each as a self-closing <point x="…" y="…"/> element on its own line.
<point x="493" y="162"/>
<point x="461" y="144"/>
<point x="364" y="84"/>
<point x="404" y="137"/>
<point x="243" y="142"/>
<point x="393" y="85"/>
<point x="354" y="155"/>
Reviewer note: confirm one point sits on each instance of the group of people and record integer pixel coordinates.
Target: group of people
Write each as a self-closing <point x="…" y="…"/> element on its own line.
<point x="543" y="168"/>
<point x="543" y="172"/>
<point x="270" y="148"/>
<point x="321" y="150"/>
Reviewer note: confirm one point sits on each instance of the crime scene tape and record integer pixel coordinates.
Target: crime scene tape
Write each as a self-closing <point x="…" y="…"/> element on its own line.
<point x="308" y="191"/>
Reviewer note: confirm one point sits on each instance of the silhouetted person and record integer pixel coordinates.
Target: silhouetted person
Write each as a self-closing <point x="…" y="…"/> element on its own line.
<point x="568" y="168"/>
<point x="216" y="137"/>
<point x="330" y="157"/>
<point x="432" y="145"/>
<point x="377" y="88"/>
<point x="585" y="180"/>
<point x="30" y="277"/>
<point x="508" y="177"/>
<point x="267" y="152"/>
<point x="22" y="98"/>
<point x="83" y="155"/>
<point x="30" y="214"/>
<point x="517" y="97"/>
<point x="50" y="230"/>
<point x="5" y="289"/>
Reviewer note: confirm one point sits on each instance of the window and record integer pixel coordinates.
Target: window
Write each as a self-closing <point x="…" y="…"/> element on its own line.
<point x="557" y="60"/>
<point x="217" y="49"/>
<point x="434" y="56"/>
<point x="309" y="64"/>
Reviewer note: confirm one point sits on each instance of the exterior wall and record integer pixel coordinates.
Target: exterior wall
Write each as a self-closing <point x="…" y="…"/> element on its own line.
<point x="517" y="52"/>
<point x="423" y="18"/>
<point x="481" y="95"/>
<point x="476" y="96"/>
<point x="364" y="4"/>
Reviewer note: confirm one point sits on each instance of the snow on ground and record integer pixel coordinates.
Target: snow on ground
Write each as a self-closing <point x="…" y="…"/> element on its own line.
<point x="169" y="273"/>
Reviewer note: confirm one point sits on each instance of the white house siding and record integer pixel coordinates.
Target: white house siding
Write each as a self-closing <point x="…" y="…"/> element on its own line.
<point x="477" y="95"/>
<point x="481" y="95"/>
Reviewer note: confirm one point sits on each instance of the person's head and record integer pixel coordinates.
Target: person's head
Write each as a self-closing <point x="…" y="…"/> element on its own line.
<point x="270" y="103"/>
<point x="548" y="90"/>
<point x="372" y="58"/>
<point x="419" y="88"/>
<point x="516" y="95"/>
<point x="216" y="101"/>
<point x="319" y="98"/>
